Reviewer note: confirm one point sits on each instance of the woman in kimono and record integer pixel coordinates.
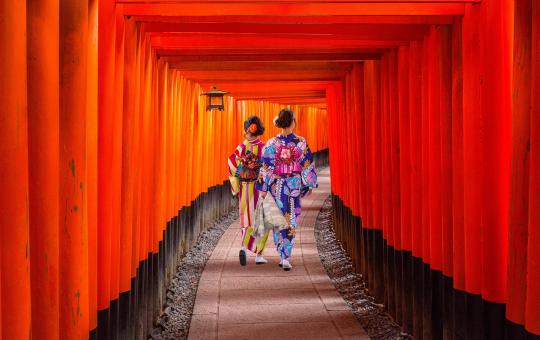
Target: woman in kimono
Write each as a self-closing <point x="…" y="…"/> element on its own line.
<point x="244" y="165"/>
<point x="288" y="172"/>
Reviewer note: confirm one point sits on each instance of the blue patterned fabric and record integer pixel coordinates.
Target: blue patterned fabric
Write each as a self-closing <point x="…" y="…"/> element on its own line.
<point x="288" y="171"/>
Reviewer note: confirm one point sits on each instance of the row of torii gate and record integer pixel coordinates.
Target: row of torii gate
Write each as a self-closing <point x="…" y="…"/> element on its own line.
<point x="110" y="164"/>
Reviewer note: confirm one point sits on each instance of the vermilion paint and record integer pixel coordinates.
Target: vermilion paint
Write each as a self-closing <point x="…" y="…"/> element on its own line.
<point x="14" y="196"/>
<point x="458" y="254"/>
<point x="532" y="306"/>
<point x="428" y="143"/>
<point x="415" y="109"/>
<point x="404" y="147"/>
<point x="43" y="148"/>
<point x="73" y="229"/>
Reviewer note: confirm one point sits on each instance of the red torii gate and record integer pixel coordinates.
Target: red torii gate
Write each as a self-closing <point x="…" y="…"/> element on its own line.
<point x="456" y="188"/>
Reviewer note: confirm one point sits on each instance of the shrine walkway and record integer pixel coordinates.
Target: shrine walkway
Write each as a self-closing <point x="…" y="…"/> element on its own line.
<point x="235" y="302"/>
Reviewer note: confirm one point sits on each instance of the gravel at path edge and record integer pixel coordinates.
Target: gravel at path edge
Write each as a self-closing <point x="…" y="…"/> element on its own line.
<point x="376" y="322"/>
<point x="174" y="322"/>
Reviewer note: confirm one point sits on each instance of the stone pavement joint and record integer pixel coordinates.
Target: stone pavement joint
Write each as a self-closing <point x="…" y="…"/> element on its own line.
<point x="265" y="302"/>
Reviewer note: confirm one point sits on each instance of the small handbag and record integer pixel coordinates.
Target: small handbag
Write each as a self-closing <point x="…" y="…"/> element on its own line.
<point x="258" y="225"/>
<point x="273" y="217"/>
<point x="256" y="236"/>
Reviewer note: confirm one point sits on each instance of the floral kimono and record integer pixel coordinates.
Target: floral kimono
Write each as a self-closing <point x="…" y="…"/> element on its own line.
<point x="287" y="173"/>
<point x="244" y="164"/>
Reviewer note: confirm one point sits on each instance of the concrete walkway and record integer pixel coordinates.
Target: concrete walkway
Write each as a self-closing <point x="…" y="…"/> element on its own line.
<point x="265" y="302"/>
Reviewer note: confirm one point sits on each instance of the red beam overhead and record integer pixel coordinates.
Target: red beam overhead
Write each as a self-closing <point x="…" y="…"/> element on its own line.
<point x="277" y="95"/>
<point x="420" y="2"/>
<point x="343" y="31"/>
<point x="260" y="66"/>
<point x="294" y="9"/>
<point x="246" y="42"/>
<point x="271" y="89"/>
<point x="281" y="57"/>
<point x="206" y="52"/>
<point x="243" y="76"/>
<point x="287" y="98"/>
<point x="276" y="91"/>
<point x="265" y="85"/>
<point x="292" y="19"/>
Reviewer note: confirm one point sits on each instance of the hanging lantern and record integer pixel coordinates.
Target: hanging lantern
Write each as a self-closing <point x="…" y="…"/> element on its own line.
<point x="215" y="99"/>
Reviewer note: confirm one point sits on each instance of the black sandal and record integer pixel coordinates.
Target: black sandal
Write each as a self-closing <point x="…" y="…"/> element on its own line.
<point x="242" y="256"/>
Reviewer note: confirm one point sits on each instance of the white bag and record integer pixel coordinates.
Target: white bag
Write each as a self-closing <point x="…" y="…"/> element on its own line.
<point x="273" y="217"/>
<point x="258" y="225"/>
<point x="267" y="216"/>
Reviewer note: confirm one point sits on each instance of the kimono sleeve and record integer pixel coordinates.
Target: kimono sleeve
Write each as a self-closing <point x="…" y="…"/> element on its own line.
<point x="234" y="161"/>
<point x="266" y="174"/>
<point x="309" y="174"/>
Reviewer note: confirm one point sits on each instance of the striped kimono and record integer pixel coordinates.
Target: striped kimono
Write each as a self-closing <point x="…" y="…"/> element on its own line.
<point x="244" y="163"/>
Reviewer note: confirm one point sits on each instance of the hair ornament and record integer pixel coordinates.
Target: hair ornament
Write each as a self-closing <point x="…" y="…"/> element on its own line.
<point x="252" y="128"/>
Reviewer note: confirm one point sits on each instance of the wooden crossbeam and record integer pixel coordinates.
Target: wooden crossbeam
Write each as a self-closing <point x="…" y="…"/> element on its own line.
<point x="294" y="9"/>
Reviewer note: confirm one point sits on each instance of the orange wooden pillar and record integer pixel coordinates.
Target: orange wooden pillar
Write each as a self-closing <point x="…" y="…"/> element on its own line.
<point x="176" y="105"/>
<point x="473" y="160"/>
<point x="445" y="109"/>
<point x="367" y="217"/>
<point x="146" y="101"/>
<point x="358" y="86"/>
<point x="472" y="154"/>
<point x="459" y="296"/>
<point x="128" y="156"/>
<point x="106" y="114"/>
<point x="43" y="142"/>
<point x="426" y="167"/>
<point x="532" y="306"/>
<point x="134" y="102"/>
<point x="405" y="188"/>
<point x="331" y="128"/>
<point x="434" y="147"/>
<point x="385" y="174"/>
<point x="457" y="159"/>
<point x="359" y="99"/>
<point x="497" y="130"/>
<point x="386" y="181"/>
<point x="415" y="109"/>
<point x="189" y="135"/>
<point x="424" y="151"/>
<point x="394" y="158"/>
<point x="121" y="238"/>
<point x="116" y="178"/>
<point x="350" y="167"/>
<point x="443" y="290"/>
<point x="415" y="126"/>
<point x="373" y="128"/>
<point x="458" y="233"/>
<point x="349" y="138"/>
<point x="74" y="318"/>
<point x="519" y="181"/>
<point x="404" y="147"/>
<point x="92" y="161"/>
<point x="376" y="161"/>
<point x="14" y="204"/>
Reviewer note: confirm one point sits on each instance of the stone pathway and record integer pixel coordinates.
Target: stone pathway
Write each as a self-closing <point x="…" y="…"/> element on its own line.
<point x="265" y="302"/>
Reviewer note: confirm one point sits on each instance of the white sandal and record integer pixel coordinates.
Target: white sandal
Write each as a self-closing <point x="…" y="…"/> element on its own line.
<point x="286" y="265"/>
<point x="259" y="259"/>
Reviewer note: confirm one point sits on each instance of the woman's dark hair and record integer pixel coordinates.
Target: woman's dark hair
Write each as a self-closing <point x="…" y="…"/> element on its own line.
<point x="285" y="118"/>
<point x="258" y="123"/>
